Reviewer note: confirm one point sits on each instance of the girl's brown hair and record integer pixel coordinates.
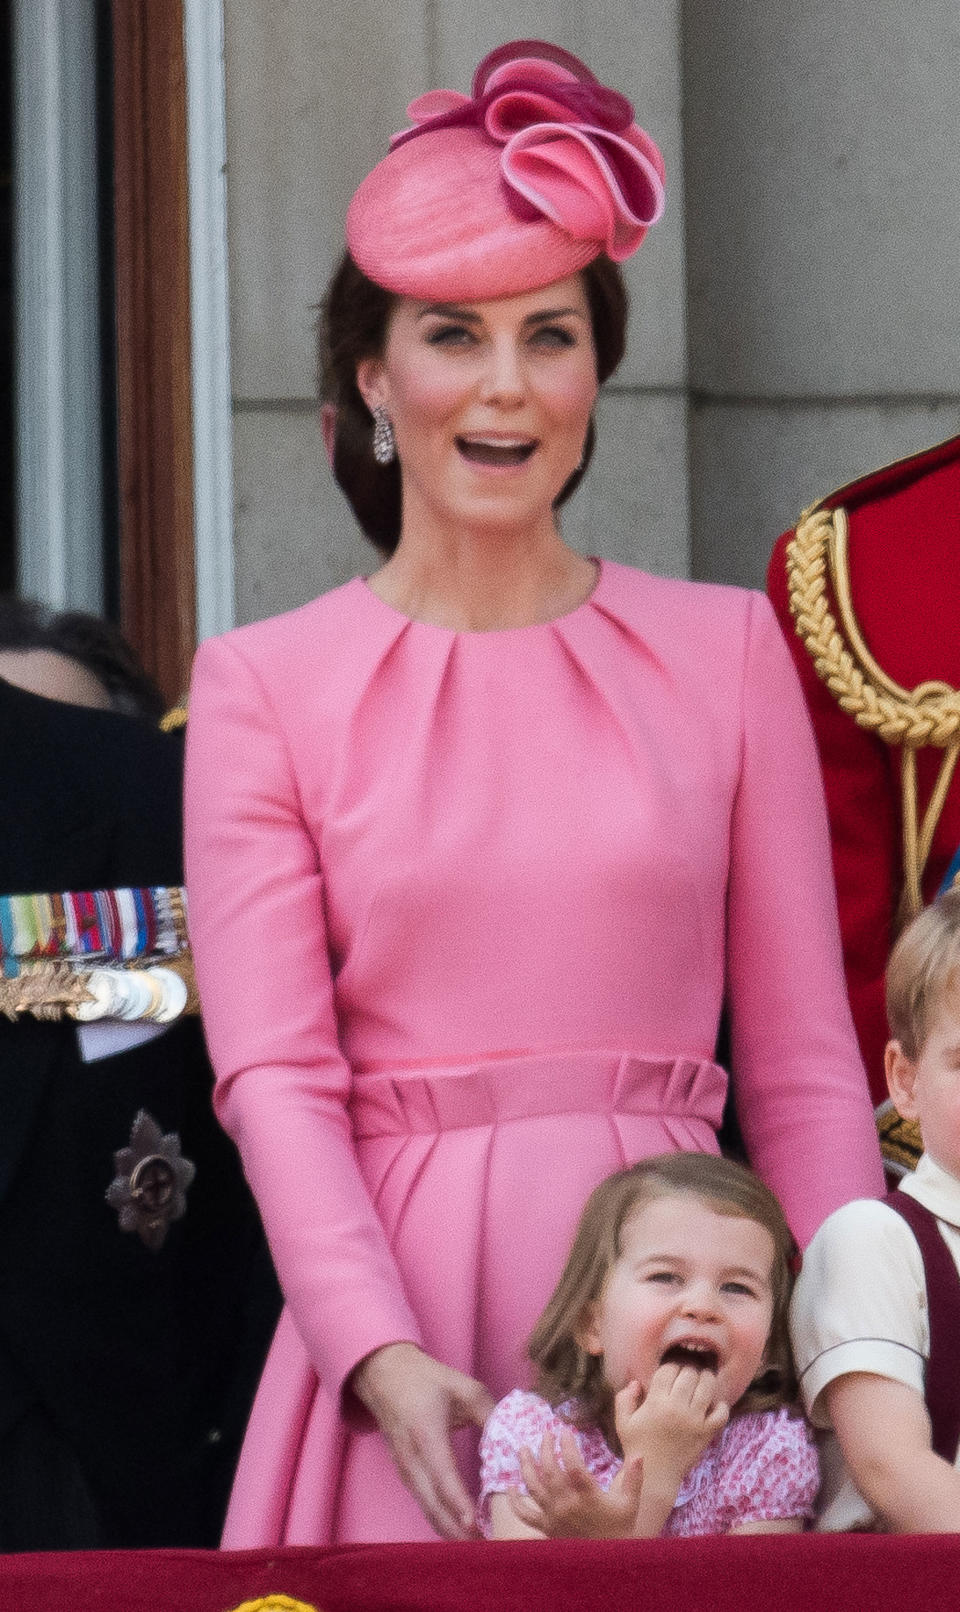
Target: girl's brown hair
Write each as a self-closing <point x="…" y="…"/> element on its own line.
<point x="353" y="325"/>
<point x="565" y="1370"/>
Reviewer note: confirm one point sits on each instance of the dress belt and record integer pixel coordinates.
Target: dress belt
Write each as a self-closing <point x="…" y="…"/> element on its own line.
<point x="496" y="1090"/>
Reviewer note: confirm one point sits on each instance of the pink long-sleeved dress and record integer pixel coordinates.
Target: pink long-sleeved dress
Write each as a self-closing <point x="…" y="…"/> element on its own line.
<point x="465" y="908"/>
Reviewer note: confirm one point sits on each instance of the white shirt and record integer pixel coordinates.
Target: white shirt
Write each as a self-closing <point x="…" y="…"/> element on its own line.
<point x="860" y="1304"/>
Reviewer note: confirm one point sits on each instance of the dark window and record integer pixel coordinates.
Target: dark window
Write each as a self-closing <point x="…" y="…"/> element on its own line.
<point x="7" y="496"/>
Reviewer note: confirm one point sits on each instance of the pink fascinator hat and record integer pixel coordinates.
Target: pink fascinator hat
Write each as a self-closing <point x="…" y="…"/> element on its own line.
<point x="523" y="182"/>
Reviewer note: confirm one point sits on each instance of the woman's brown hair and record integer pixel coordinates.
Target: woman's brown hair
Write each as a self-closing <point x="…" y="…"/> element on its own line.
<point x="565" y="1370"/>
<point x="353" y="323"/>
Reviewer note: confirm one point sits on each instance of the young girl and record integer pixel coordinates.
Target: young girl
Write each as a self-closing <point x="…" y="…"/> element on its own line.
<point x="664" y="1371"/>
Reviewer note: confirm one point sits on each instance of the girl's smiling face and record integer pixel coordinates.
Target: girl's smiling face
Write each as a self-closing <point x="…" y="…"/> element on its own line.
<point x="490" y="404"/>
<point x="692" y="1286"/>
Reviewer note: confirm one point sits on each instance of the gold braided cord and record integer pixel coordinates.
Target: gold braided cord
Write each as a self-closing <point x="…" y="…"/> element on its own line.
<point x="912" y="719"/>
<point x="916" y="845"/>
<point x="926" y="715"/>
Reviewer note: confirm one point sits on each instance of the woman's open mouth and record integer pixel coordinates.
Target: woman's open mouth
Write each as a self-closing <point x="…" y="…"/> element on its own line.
<point x="502" y="452"/>
<point x="699" y="1355"/>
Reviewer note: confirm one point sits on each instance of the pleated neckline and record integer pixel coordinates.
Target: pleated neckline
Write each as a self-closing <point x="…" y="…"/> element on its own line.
<point x="495" y="635"/>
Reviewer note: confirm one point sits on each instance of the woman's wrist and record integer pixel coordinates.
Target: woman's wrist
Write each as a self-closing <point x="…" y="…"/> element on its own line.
<point x="374" y="1371"/>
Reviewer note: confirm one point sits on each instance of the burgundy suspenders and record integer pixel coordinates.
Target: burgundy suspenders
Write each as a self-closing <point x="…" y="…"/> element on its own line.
<point x="942" y="1383"/>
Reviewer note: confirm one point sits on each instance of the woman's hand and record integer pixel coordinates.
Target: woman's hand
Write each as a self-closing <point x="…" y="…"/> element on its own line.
<point x="567" y="1502"/>
<point x="417" y="1402"/>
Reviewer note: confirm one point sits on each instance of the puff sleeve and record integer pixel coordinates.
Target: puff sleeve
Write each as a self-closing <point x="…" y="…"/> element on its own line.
<point x="769" y="1470"/>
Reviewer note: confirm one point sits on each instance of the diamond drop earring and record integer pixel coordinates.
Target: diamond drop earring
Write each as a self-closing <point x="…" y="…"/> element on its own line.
<point x="384" y="446"/>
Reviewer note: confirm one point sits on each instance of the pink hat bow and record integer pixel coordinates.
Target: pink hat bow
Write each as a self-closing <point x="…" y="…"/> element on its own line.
<point x="517" y="185"/>
<point x="571" y="152"/>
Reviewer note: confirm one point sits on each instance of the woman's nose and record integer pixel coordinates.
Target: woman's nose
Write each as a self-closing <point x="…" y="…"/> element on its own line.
<point x="503" y="378"/>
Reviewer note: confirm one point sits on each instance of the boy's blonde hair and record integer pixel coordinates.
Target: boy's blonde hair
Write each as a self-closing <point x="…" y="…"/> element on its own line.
<point x="924" y="968"/>
<point x="565" y="1369"/>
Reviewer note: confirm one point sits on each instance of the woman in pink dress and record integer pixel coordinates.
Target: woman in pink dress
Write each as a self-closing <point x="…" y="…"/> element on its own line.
<point x="478" y="847"/>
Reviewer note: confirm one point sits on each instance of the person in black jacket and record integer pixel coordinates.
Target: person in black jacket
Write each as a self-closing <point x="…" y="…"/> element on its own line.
<point x="126" y="1370"/>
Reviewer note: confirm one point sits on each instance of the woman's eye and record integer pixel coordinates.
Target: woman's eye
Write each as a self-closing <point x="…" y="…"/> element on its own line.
<point x="661" y="1276"/>
<point x="739" y="1288"/>
<point x="553" y="336"/>
<point x="450" y="336"/>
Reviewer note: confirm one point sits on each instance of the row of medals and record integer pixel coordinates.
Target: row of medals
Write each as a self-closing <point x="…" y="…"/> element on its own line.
<point x="154" y="995"/>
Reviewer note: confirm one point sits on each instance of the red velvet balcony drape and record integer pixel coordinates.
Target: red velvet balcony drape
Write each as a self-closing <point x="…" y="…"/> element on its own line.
<point x="815" y="1573"/>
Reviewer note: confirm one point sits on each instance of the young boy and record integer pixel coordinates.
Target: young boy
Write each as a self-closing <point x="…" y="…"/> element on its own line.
<point x="868" y="1299"/>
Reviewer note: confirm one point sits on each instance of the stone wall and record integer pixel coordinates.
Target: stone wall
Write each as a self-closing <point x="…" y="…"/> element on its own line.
<point x="823" y="237"/>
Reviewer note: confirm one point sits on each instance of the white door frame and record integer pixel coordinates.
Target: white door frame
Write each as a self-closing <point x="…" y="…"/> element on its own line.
<point x="209" y="316"/>
<point x="57" y="405"/>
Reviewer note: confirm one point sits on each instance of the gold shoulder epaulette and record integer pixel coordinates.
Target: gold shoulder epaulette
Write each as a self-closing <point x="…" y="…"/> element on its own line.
<point x="911" y="718"/>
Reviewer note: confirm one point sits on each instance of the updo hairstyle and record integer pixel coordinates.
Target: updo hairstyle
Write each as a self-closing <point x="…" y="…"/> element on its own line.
<point x="353" y="325"/>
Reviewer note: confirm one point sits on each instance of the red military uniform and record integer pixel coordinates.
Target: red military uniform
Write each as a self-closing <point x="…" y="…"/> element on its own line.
<point x="903" y="564"/>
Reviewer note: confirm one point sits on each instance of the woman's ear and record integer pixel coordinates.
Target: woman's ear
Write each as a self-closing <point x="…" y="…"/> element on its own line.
<point x="328" y="428"/>
<point x="901" y="1073"/>
<point x="371" y="383"/>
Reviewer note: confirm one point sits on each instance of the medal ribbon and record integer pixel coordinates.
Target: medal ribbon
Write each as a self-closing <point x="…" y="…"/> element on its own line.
<point x="74" y="925"/>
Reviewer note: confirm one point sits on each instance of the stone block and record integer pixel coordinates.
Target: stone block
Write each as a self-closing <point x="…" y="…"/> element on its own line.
<point x="295" y="534"/>
<point x="632" y="505"/>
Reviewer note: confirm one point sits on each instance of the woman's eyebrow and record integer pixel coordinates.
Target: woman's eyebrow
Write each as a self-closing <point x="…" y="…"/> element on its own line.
<point x="554" y="313"/>
<point x="449" y="310"/>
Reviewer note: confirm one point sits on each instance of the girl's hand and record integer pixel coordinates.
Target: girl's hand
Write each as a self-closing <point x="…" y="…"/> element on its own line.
<point x="673" y="1423"/>
<point x="566" y="1502"/>
<point x="417" y="1402"/>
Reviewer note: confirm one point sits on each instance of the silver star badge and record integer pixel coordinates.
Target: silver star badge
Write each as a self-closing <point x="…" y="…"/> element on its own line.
<point x="149" y="1190"/>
